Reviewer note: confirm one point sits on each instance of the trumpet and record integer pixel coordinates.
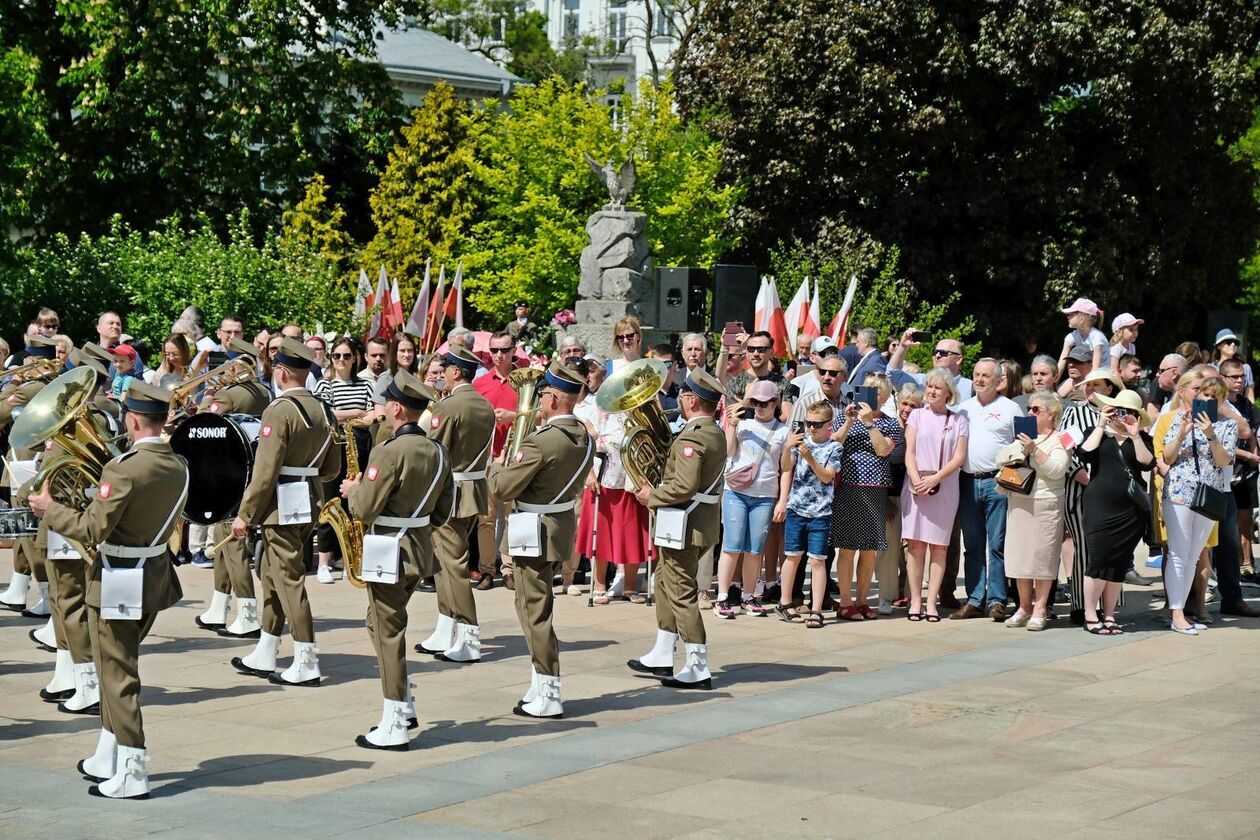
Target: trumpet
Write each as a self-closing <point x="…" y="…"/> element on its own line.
<point x="38" y="370"/>
<point x="525" y="382"/>
<point x="238" y="371"/>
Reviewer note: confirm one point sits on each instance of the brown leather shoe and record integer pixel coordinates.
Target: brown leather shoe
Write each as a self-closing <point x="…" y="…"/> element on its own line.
<point x="969" y="610"/>
<point x="509" y="582"/>
<point x="486" y="582"/>
<point x="1240" y="608"/>
<point x="997" y="611"/>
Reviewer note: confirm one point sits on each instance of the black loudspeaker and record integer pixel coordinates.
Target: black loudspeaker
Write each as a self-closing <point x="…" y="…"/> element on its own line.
<point x="681" y="303"/>
<point x="735" y="290"/>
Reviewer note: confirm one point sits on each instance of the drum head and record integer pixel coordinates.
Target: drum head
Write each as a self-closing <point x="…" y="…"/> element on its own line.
<point x="219" y="456"/>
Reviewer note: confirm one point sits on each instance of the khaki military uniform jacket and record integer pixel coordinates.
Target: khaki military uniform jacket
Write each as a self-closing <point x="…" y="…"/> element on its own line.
<point x="285" y="439"/>
<point x="463" y="422"/>
<point x="133" y="506"/>
<point x="696" y="459"/>
<point x="398" y="474"/>
<point x="247" y="398"/>
<point x="542" y="473"/>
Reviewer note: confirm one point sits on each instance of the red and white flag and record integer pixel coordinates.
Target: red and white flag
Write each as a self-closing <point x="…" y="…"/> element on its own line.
<point x="769" y="316"/>
<point x="797" y="311"/>
<point x="395" y="309"/>
<point x="386" y="299"/>
<point x="363" y="296"/>
<point x="433" y="336"/>
<point x="418" y="321"/>
<point x="813" y="326"/>
<point x="839" y="328"/>
<point x="377" y="304"/>
<point x="457" y="290"/>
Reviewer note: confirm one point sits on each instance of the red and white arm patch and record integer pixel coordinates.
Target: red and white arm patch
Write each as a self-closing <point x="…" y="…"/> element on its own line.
<point x="371" y="473"/>
<point x="520" y="456"/>
<point x="689" y="451"/>
<point x="105" y="490"/>
<point x="266" y="430"/>
<point x="435" y="421"/>
<point x="215" y="408"/>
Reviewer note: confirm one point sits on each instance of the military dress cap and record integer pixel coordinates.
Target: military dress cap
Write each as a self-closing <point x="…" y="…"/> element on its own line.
<point x="78" y="358"/>
<point x="294" y="354"/>
<point x="407" y="390"/>
<point x="143" y="398"/>
<point x="38" y="347"/>
<point x="241" y="347"/>
<point x="563" y="378"/>
<point x="703" y="385"/>
<point x="462" y="358"/>
<point x="96" y="351"/>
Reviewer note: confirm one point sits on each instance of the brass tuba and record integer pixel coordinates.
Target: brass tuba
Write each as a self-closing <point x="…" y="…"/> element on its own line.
<point x="238" y="371"/>
<point x="347" y="529"/>
<point x="525" y="381"/>
<point x="632" y="390"/>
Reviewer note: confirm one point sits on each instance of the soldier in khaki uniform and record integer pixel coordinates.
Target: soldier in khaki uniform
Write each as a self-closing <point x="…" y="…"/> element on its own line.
<point x="294" y="448"/>
<point x="463" y="422"/>
<point x="405" y="492"/>
<point x="544" y="480"/>
<point x="231" y="567"/>
<point x="28" y="552"/>
<point x="131" y="518"/>
<point x="693" y="473"/>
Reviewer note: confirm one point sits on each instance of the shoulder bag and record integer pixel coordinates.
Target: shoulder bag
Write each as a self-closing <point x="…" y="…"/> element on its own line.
<point x="1137" y="493"/>
<point x="1207" y="501"/>
<point x="741" y="478"/>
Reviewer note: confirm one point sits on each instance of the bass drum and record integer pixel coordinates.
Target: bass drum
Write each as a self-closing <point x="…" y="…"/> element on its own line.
<point x="220" y="454"/>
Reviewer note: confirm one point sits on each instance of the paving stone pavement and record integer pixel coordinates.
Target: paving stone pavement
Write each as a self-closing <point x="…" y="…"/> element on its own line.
<point x="878" y="728"/>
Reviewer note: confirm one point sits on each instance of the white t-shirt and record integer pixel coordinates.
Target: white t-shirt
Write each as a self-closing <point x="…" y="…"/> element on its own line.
<point x="990" y="428"/>
<point x="1118" y="350"/>
<point x="1095" y="339"/>
<point x="755" y="438"/>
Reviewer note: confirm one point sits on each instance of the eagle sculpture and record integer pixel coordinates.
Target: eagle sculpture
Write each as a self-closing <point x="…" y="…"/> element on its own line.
<point x="620" y="183"/>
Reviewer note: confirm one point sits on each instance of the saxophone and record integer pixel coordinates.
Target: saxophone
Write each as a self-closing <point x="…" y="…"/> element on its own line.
<point x="348" y="530"/>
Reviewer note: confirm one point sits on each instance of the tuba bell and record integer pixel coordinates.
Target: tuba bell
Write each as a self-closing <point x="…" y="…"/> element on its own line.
<point x="525" y="382"/>
<point x="632" y="391"/>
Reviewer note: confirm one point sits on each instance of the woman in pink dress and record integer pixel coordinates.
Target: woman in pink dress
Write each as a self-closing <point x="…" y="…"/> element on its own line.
<point x="936" y="448"/>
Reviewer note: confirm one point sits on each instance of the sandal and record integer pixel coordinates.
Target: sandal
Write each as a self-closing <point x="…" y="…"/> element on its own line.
<point x="919" y="616"/>
<point x="850" y="613"/>
<point x="785" y="612"/>
<point x="1114" y="626"/>
<point x="931" y="619"/>
<point x="636" y="598"/>
<point x="601" y="598"/>
<point x="814" y="620"/>
<point x="868" y="612"/>
<point x="1097" y="628"/>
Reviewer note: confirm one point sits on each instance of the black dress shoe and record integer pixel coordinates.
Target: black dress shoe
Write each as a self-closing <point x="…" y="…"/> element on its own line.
<point x="85" y="774"/>
<point x="252" y="634"/>
<point x="427" y="585"/>
<point x="636" y="665"/>
<point x="362" y="741"/>
<point x="239" y="664"/>
<point x="519" y="711"/>
<point x="442" y="657"/>
<point x="94" y="709"/>
<point x="14" y="607"/>
<point x="95" y="791"/>
<point x="705" y="684"/>
<point x="30" y="614"/>
<point x="420" y="648"/>
<point x="40" y="644"/>
<point x="486" y="582"/>
<point x="276" y="679"/>
<point x="55" y="696"/>
<point x="207" y="626"/>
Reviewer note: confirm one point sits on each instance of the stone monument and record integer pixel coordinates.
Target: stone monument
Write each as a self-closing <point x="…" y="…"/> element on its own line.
<point x="617" y="277"/>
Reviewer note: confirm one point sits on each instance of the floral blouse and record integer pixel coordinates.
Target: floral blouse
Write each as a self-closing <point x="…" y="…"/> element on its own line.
<point x="1183" y="477"/>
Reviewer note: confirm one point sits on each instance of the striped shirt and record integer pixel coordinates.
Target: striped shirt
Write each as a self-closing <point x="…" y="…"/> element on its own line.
<point x="345" y="396"/>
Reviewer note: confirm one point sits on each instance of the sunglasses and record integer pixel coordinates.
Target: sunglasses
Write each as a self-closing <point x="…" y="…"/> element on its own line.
<point x="760" y="349"/>
<point x="1232" y="341"/>
<point x="1167" y="369"/>
<point x="340" y="356"/>
<point x="828" y="373"/>
<point x="760" y="403"/>
<point x="815" y="424"/>
<point x="940" y="354"/>
<point x="497" y="350"/>
<point x="54" y="326"/>
<point x="628" y="337"/>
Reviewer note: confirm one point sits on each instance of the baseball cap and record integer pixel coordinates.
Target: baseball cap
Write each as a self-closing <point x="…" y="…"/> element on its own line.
<point x="1125" y="319"/>
<point x="1080" y="353"/>
<point x="1084" y="305"/>
<point x="763" y="390"/>
<point x="823" y="342"/>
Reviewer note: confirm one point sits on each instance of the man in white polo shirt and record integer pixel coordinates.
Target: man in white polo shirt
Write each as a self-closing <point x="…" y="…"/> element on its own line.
<point x="982" y="509"/>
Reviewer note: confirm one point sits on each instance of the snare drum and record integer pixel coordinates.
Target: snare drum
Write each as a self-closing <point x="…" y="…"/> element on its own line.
<point x="219" y="450"/>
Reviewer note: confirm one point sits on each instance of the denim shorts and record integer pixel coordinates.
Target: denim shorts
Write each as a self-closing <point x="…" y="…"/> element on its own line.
<point x="806" y="534"/>
<point x="745" y="521"/>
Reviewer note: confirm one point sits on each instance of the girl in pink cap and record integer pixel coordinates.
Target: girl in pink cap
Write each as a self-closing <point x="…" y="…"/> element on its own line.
<point x="1082" y="315"/>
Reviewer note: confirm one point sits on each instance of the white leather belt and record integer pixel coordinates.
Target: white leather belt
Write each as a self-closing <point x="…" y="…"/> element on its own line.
<point x="133" y="552"/>
<point x="402" y="521"/>
<point x="706" y="498"/>
<point x="469" y="476"/>
<point x="559" y="507"/>
<point x="299" y="472"/>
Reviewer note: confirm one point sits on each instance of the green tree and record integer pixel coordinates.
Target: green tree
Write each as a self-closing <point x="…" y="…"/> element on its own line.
<point x="1017" y="153"/>
<point x="168" y="106"/>
<point x="426" y="196"/>
<point x="22" y="136"/>
<point x="316" y="224"/>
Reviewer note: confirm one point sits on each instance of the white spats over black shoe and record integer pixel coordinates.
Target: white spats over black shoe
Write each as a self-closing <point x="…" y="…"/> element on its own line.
<point x="246" y="625"/>
<point x="391" y="732"/>
<point x="441" y="639"/>
<point x="304" y="670"/>
<point x="61" y="686"/>
<point x="41" y="608"/>
<point x="659" y="661"/>
<point x="261" y="661"/>
<point x="215" y="615"/>
<point x="86" y="699"/>
<point x="45" y="636"/>
<point x="14" y="596"/>
<point x="130" y="780"/>
<point x="545" y="705"/>
<point x="466" y="647"/>
<point x="695" y="674"/>
<point x="101" y="764"/>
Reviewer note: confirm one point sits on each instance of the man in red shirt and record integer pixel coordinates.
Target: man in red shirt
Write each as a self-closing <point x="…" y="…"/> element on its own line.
<point x="502" y="398"/>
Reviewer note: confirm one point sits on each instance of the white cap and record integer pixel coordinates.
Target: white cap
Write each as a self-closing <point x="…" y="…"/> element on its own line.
<point x="823" y="342"/>
<point x="1125" y="319"/>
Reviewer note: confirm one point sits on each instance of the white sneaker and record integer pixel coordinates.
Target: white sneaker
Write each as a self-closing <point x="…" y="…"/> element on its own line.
<point x="885" y="607"/>
<point x="324" y="575"/>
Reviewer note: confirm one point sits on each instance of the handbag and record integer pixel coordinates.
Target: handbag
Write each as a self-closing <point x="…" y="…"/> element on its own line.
<point x="743" y="477"/>
<point x="1207" y="501"/>
<point x="1137" y="493"/>
<point x="1017" y="478"/>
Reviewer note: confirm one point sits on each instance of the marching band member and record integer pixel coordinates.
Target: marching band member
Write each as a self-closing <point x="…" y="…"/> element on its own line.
<point x="130" y="518"/>
<point x="463" y="422"/>
<point x="544" y="480"/>
<point x="295" y="453"/>
<point x="28" y="552"/>
<point x="693" y="471"/>
<point x="231" y="567"/>
<point x="403" y="494"/>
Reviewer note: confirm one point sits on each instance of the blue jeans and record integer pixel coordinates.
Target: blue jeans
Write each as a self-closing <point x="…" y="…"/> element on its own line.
<point x="745" y="522"/>
<point x="982" y="510"/>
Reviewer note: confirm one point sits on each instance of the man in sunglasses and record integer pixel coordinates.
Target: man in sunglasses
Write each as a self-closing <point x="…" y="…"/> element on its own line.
<point x="1170" y="369"/>
<point x="759" y="351"/>
<point x="948" y="354"/>
<point x="494" y="386"/>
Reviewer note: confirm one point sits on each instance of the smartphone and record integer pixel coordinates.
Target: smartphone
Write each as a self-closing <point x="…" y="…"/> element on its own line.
<point x="921" y="337"/>
<point x="798" y="427"/>
<point x="868" y="395"/>
<point x="731" y="333"/>
<point x="1026" y="426"/>
<point x="216" y="358"/>
<point x="1207" y="407"/>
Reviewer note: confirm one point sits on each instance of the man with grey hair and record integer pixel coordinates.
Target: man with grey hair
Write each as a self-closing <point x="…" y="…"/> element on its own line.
<point x="1043" y="371"/>
<point x="948" y="354"/>
<point x="869" y="359"/>
<point x="695" y="351"/>
<point x="1170" y="369"/>
<point x="571" y="347"/>
<point x="459" y="337"/>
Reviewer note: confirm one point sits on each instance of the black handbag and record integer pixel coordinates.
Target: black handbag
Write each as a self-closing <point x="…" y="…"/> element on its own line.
<point x="1137" y="493"/>
<point x="1207" y="501"/>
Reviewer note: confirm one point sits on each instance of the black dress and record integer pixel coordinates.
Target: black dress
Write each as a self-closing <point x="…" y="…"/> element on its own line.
<point x="1113" y="524"/>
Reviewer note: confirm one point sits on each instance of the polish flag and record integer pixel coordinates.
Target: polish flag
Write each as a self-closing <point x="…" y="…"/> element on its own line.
<point x="797" y="311"/>
<point x="378" y="303"/>
<point x="455" y="301"/>
<point x="811" y="326"/>
<point x="363" y="301"/>
<point x="395" y="309"/>
<point x="433" y="336"/>
<point x="387" y="303"/>
<point x="840" y="325"/>
<point x="418" y="320"/>
<point x="769" y="316"/>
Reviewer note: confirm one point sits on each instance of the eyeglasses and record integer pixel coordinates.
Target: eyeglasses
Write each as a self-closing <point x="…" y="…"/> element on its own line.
<point x="816" y="424"/>
<point x="572" y="351"/>
<point x="761" y="348"/>
<point x="1233" y="376"/>
<point x="497" y="350"/>
<point x="828" y="373"/>
<point x="52" y="327"/>
<point x="940" y="354"/>
<point x="627" y="337"/>
<point x="1167" y="369"/>
<point x="760" y="403"/>
<point x="337" y="357"/>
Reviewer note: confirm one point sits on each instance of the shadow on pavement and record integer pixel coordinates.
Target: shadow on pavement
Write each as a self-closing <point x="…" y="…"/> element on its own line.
<point x="250" y="770"/>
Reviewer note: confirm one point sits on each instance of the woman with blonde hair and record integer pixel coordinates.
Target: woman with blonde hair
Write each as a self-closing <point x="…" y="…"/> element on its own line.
<point x="176" y="360"/>
<point x="627" y="343"/>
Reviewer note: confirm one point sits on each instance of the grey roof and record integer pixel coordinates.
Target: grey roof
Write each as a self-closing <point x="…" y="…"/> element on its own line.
<point x="420" y="52"/>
